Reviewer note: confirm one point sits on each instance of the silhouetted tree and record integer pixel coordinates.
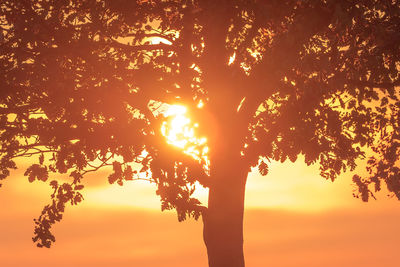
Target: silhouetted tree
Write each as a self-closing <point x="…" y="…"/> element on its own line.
<point x="81" y="81"/>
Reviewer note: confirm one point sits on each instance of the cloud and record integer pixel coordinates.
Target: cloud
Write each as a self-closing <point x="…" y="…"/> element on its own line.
<point x="293" y="218"/>
<point x="101" y="236"/>
<point x="364" y="237"/>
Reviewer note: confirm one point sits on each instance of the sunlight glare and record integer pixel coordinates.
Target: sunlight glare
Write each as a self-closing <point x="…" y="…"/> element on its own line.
<point x="232" y="59"/>
<point x="159" y="40"/>
<point x="200" y="104"/>
<point x="179" y="131"/>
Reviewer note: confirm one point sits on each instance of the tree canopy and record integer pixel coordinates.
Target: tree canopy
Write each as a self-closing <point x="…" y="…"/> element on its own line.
<point x="82" y="81"/>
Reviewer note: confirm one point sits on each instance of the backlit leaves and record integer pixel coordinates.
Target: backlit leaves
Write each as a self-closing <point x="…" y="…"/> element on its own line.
<point x="81" y="81"/>
<point x="53" y="213"/>
<point x="263" y="168"/>
<point x="37" y="172"/>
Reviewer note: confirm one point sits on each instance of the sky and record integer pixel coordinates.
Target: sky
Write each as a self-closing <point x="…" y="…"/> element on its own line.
<point x="293" y="217"/>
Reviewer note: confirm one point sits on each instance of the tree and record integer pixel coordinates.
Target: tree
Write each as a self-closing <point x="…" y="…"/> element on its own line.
<point x="81" y="82"/>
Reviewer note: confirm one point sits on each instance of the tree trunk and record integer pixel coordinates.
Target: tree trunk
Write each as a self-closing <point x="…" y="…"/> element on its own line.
<point x="223" y="222"/>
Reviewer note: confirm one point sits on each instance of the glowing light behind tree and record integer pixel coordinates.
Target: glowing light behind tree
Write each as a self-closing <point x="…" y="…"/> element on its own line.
<point x="180" y="131"/>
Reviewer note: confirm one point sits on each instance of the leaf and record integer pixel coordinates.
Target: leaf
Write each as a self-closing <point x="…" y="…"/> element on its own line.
<point x="384" y="101"/>
<point x="79" y="187"/>
<point x="41" y="159"/>
<point x="352" y="104"/>
<point x="77" y="176"/>
<point x="54" y="184"/>
<point x="128" y="173"/>
<point x="112" y="178"/>
<point x="38" y="172"/>
<point x="263" y="168"/>
<point x="117" y="167"/>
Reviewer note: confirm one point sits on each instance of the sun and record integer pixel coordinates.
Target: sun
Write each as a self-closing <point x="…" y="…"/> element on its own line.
<point x="180" y="131"/>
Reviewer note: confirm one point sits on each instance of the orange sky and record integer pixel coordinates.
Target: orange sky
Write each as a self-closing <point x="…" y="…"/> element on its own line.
<point x="293" y="218"/>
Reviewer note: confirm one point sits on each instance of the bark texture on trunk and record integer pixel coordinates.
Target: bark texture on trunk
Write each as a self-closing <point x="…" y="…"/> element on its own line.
<point x="223" y="222"/>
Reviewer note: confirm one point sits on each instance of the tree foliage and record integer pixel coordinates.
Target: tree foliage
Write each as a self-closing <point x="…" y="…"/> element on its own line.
<point x="81" y="82"/>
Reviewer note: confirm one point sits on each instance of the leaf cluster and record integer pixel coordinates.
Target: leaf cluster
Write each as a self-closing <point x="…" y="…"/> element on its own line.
<point x="81" y="83"/>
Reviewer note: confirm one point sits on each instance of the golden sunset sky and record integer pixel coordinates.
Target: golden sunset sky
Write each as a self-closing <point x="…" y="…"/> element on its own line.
<point x="293" y="218"/>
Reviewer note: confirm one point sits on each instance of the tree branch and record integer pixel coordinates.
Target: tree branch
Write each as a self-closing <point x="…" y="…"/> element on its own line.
<point x="152" y="35"/>
<point x="144" y="47"/>
<point x="374" y="84"/>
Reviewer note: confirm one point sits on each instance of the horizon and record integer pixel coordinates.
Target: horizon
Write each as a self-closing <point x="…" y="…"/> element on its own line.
<point x="339" y="227"/>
